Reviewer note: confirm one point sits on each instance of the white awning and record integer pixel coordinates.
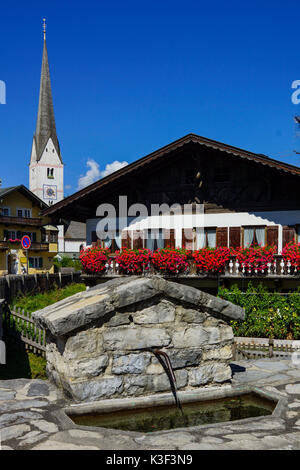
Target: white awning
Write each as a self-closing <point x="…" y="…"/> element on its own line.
<point x="50" y="227"/>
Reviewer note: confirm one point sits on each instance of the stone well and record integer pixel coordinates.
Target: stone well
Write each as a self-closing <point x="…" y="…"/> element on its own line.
<point x="94" y="338"/>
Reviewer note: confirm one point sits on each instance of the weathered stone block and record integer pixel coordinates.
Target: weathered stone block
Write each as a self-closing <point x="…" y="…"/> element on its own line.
<point x="181" y="358"/>
<point x="90" y="390"/>
<point x="130" y="364"/>
<point x="190" y="316"/>
<point x="224" y="353"/>
<point x="88" y="367"/>
<point x="160" y="383"/>
<point x="209" y="373"/>
<point x="119" y="319"/>
<point x="162" y="312"/>
<point x="190" y="337"/>
<point x="129" y="338"/>
<point x="83" y="344"/>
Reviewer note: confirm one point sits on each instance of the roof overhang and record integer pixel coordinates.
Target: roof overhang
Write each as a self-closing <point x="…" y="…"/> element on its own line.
<point x="56" y="209"/>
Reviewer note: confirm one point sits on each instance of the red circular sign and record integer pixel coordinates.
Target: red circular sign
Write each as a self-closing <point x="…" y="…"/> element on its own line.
<point x="26" y="242"/>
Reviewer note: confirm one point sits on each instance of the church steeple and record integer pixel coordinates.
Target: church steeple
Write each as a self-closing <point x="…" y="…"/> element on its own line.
<point x="45" y="125"/>
<point x="46" y="165"/>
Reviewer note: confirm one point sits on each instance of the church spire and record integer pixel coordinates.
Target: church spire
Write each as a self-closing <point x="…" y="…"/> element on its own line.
<point x="45" y="126"/>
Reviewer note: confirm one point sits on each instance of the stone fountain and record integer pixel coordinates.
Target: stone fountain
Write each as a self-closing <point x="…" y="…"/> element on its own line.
<point x="96" y="339"/>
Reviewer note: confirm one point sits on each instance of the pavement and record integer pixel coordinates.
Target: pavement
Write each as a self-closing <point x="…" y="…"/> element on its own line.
<point x="32" y="417"/>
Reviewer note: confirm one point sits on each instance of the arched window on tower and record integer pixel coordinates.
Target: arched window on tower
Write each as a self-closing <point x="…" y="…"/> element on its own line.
<point x="50" y="173"/>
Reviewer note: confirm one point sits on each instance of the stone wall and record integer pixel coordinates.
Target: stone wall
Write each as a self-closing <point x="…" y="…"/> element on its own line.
<point x="96" y="339"/>
<point x="104" y="361"/>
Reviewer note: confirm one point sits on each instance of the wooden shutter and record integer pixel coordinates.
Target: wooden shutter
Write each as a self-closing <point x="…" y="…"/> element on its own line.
<point x="137" y="239"/>
<point x="234" y="237"/>
<point x="188" y="238"/>
<point x="126" y="239"/>
<point x="288" y="235"/>
<point x="170" y="241"/>
<point x="272" y="236"/>
<point x="222" y="236"/>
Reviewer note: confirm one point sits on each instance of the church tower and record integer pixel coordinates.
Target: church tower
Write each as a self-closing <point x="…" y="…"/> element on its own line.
<point x="46" y="168"/>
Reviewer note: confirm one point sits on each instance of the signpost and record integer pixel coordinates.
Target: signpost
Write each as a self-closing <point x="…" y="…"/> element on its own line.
<point x="26" y="244"/>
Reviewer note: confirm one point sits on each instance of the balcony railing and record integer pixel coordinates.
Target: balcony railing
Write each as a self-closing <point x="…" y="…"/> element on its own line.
<point x="233" y="269"/>
<point x="35" y="246"/>
<point x="30" y="221"/>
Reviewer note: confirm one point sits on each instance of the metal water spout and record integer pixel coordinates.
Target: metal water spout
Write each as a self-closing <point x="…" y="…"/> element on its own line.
<point x="166" y="364"/>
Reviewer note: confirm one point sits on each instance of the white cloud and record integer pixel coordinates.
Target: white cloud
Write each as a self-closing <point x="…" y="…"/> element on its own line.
<point x="93" y="173"/>
<point x="111" y="167"/>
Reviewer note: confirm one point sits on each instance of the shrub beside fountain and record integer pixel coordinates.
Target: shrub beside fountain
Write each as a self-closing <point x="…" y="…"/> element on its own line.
<point x="96" y="339"/>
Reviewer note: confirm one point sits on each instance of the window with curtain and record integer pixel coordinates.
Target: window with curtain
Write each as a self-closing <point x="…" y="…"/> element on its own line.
<point x="206" y="238"/>
<point x="155" y="239"/>
<point x="211" y="237"/>
<point x="150" y="240"/>
<point x="254" y="236"/>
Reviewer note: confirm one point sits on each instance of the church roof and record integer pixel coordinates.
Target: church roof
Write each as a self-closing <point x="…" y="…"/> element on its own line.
<point x="45" y="125"/>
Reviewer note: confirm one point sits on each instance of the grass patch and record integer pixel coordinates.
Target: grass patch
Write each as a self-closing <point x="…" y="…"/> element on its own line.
<point x="31" y="303"/>
<point x="21" y="363"/>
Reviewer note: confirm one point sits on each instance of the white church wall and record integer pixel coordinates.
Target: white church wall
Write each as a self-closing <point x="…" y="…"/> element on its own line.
<point x="45" y="187"/>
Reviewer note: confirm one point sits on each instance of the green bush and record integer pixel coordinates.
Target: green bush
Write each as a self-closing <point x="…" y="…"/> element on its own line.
<point x="268" y="314"/>
<point x="67" y="262"/>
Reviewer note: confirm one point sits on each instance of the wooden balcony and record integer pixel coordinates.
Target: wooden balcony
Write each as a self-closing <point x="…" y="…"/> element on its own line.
<point x="35" y="246"/>
<point x="25" y="221"/>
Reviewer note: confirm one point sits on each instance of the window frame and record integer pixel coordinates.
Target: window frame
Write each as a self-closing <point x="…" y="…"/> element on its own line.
<point x="254" y="234"/>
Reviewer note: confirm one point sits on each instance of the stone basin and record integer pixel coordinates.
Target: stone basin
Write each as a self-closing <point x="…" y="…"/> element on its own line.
<point x="96" y="339"/>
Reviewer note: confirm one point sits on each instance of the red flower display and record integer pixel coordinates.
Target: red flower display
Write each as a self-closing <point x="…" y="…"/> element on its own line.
<point x="211" y="260"/>
<point x="291" y="253"/>
<point x="133" y="261"/>
<point x="255" y="258"/>
<point x="94" y="259"/>
<point x="170" y="261"/>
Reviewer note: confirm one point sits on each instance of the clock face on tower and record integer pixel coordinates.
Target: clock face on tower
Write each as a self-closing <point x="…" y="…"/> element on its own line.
<point x="50" y="191"/>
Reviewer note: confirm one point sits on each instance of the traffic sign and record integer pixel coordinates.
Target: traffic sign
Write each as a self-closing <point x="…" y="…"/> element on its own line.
<point x="26" y="242"/>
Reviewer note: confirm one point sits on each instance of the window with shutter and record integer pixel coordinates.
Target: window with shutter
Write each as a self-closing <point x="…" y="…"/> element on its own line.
<point x="288" y="235"/>
<point x="234" y="237"/>
<point x="138" y="241"/>
<point x="126" y="239"/>
<point x="222" y="236"/>
<point x="272" y="236"/>
<point x="169" y="237"/>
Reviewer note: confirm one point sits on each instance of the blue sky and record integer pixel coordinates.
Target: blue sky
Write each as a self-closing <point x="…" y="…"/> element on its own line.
<point x="130" y="77"/>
